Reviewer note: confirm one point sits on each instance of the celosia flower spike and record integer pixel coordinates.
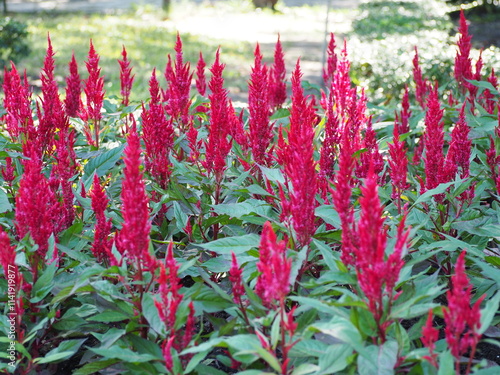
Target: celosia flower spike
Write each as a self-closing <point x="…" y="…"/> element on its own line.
<point x="126" y="78"/>
<point x="201" y="82"/>
<point x="73" y="100"/>
<point x="277" y="78"/>
<point x="462" y="320"/>
<point x="331" y="62"/>
<point x="420" y="83"/>
<point x="429" y="337"/>
<point x="463" y="63"/>
<point x="236" y="280"/>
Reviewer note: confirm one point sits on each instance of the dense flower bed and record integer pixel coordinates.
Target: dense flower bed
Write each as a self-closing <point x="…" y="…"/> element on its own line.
<point x="303" y="234"/>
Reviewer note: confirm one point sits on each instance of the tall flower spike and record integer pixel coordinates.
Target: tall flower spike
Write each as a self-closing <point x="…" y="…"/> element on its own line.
<point x="463" y="63"/>
<point x="429" y="337"/>
<point x="277" y="78"/>
<point x="236" y="280"/>
<point x="73" y="100"/>
<point x="201" y="82"/>
<point x="273" y="283"/>
<point x="459" y="151"/>
<point x="331" y="62"/>
<point x="298" y="159"/>
<point x="158" y="133"/>
<point x="259" y="108"/>
<point x="420" y="83"/>
<point x="94" y="91"/>
<point x="405" y="114"/>
<point x="126" y="78"/>
<point x="101" y="247"/>
<point x="462" y="320"/>
<point x="398" y="162"/>
<point x="133" y="239"/>
<point x="331" y="140"/>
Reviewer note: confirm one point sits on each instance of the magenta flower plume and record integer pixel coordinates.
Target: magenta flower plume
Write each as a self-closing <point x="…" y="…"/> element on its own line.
<point x="201" y="81"/>
<point x="376" y="275"/>
<point x="459" y="152"/>
<point x="398" y="163"/>
<point x="158" y="132"/>
<point x="273" y="282"/>
<point x="236" y="280"/>
<point x="126" y="78"/>
<point x="8" y="171"/>
<point x="463" y="62"/>
<point x="462" y="319"/>
<point x="19" y="117"/>
<point x="429" y="337"/>
<point x="133" y="238"/>
<point x="73" y="100"/>
<point x="405" y="114"/>
<point x="178" y="78"/>
<point x="277" y="78"/>
<point x="331" y="141"/>
<point x="331" y="62"/>
<point x="259" y="108"/>
<point x="101" y="247"/>
<point x="343" y="93"/>
<point x="8" y="258"/>
<point x="297" y="156"/>
<point x="51" y="116"/>
<point x="94" y="92"/>
<point x="487" y="98"/>
<point x="37" y="209"/>
<point x="434" y="142"/>
<point x="217" y="145"/>
<point x="420" y="83"/>
<point x="371" y="155"/>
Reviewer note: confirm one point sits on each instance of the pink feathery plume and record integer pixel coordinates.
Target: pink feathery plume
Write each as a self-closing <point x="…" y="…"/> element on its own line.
<point x="277" y="78"/>
<point x="343" y="93"/>
<point x="217" y="144"/>
<point x="331" y="62"/>
<point x="101" y="247"/>
<point x="371" y="155"/>
<point x="487" y="98"/>
<point x="8" y="171"/>
<point x="462" y="319"/>
<point x="37" y="209"/>
<point x="126" y="78"/>
<point x="178" y="78"/>
<point x="404" y="114"/>
<point x="463" y="62"/>
<point x="158" y="133"/>
<point x="273" y="282"/>
<point x="73" y="100"/>
<point x="331" y="140"/>
<point x="297" y="155"/>
<point x="94" y="92"/>
<point x="434" y="142"/>
<point x="236" y="280"/>
<point x="201" y="82"/>
<point x="429" y="337"/>
<point x="398" y="163"/>
<point x="51" y="116"/>
<point x="133" y="238"/>
<point x="377" y="276"/>
<point x="459" y="152"/>
<point x="259" y="108"/>
<point x="422" y="87"/>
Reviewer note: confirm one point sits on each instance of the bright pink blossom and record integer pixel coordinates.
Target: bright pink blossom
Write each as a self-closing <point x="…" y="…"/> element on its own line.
<point x="277" y="78"/>
<point x="236" y="280"/>
<point x="420" y="83"/>
<point x="73" y="100"/>
<point x="126" y="78"/>
<point x="331" y="62"/>
<point x="463" y="62"/>
<point x="398" y="162"/>
<point x="429" y="337"/>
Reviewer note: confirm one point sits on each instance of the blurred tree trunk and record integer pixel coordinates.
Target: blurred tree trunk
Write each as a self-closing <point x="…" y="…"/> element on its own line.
<point x="4" y="3"/>
<point x="166" y="5"/>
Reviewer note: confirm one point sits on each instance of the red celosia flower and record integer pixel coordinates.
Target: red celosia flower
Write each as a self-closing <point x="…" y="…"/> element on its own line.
<point x="126" y="78"/>
<point x="277" y="80"/>
<point x="37" y="210"/>
<point x="420" y="83"/>
<point x="297" y="155"/>
<point x="94" y="91"/>
<point x="376" y="275"/>
<point x="8" y="171"/>
<point x="178" y="78"/>
<point x="201" y="82"/>
<point x="259" y="108"/>
<point x="133" y="239"/>
<point x="51" y="116"/>
<point x="342" y="92"/>
<point x="19" y="117"/>
<point x="188" y="333"/>
<point x="488" y="99"/>
<point x="463" y="63"/>
<point x="167" y="353"/>
<point x="236" y="128"/>
<point x="101" y="247"/>
<point x="459" y="151"/>
<point x="236" y="280"/>
<point x="8" y="258"/>
<point x="73" y="100"/>
<point x="462" y="320"/>
<point x="405" y="114"/>
<point x="273" y="282"/>
<point x="398" y="163"/>
<point x="217" y="144"/>
<point x="434" y="142"/>
<point x="331" y="140"/>
<point x="429" y="337"/>
<point x="331" y="62"/>
<point x="158" y="132"/>
<point x="371" y="155"/>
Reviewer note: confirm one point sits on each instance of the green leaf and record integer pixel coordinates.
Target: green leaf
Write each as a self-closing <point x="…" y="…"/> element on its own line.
<point x="109" y="316"/>
<point x="44" y="284"/>
<point x="124" y="354"/>
<point x="305" y="369"/>
<point x="103" y="162"/>
<point x="93" y="367"/>
<point x="489" y="311"/>
<point x="5" y="205"/>
<point x="427" y="196"/>
<point x="341" y="329"/>
<point x="446" y="366"/>
<point x="379" y="360"/>
<point x="151" y="314"/>
<point x="334" y="359"/>
<point x="280" y="113"/>
<point x="238" y="244"/>
<point x="273" y="175"/>
<point x="329" y="215"/>
<point x="65" y="350"/>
